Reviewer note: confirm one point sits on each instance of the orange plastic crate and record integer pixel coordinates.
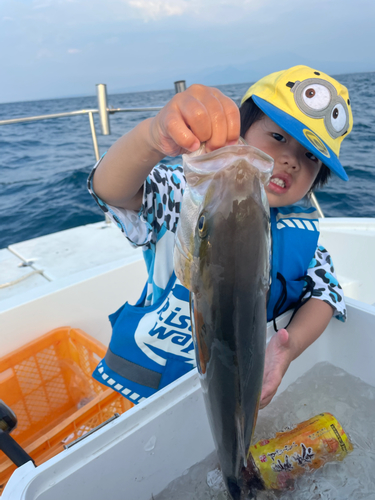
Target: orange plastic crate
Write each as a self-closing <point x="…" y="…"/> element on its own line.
<point x="48" y="385"/>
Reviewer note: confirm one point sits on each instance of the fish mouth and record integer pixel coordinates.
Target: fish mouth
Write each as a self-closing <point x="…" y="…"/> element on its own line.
<point x="182" y="251"/>
<point x="182" y="263"/>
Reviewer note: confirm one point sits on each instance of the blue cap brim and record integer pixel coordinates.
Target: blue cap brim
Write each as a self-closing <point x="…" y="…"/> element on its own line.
<point x="295" y="128"/>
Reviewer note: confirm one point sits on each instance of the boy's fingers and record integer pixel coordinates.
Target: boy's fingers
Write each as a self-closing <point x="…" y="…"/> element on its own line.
<point x="196" y="116"/>
<point x="179" y="131"/>
<point x="232" y="115"/>
<point x="283" y="336"/>
<point x="211" y="116"/>
<point x="265" y="401"/>
<point x="218" y="120"/>
<point x="225" y="120"/>
<point x="200" y="114"/>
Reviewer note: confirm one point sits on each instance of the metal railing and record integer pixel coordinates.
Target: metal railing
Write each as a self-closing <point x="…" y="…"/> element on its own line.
<point x="104" y="113"/>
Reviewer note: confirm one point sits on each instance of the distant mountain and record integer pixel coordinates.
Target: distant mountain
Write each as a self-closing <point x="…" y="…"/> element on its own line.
<point x="247" y="72"/>
<point x="250" y="71"/>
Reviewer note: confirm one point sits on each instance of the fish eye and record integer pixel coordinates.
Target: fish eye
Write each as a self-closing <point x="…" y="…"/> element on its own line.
<point x="338" y="117"/>
<point x="316" y="96"/>
<point x="202" y="226"/>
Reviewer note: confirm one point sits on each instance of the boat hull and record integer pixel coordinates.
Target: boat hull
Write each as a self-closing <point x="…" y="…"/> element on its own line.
<point x="140" y="453"/>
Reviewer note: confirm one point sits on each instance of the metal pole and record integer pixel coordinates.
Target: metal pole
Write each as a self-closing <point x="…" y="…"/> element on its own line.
<point x="96" y="149"/>
<point x="317" y="206"/>
<point x="46" y="117"/>
<point x="94" y="138"/>
<point x="179" y="86"/>
<point x="131" y="110"/>
<point x="101" y="90"/>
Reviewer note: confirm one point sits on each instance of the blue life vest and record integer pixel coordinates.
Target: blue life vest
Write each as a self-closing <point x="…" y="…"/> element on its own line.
<point x="295" y="234"/>
<point x="152" y="346"/>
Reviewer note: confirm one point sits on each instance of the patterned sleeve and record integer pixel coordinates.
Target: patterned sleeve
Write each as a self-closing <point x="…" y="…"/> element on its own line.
<point x="162" y="197"/>
<point x="327" y="288"/>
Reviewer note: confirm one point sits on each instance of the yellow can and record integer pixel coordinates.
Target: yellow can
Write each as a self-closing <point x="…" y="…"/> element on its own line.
<point x="306" y="447"/>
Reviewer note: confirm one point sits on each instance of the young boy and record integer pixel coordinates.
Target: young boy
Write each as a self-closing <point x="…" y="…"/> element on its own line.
<point x="298" y="117"/>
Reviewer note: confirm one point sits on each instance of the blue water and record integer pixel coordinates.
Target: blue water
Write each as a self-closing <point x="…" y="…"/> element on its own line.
<point x="44" y="165"/>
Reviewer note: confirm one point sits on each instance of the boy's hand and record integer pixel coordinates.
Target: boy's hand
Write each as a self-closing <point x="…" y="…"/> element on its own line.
<point x="306" y="327"/>
<point x="199" y="114"/>
<point x="277" y="361"/>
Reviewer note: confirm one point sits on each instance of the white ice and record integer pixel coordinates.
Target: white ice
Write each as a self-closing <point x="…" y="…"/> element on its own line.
<point x="324" y="388"/>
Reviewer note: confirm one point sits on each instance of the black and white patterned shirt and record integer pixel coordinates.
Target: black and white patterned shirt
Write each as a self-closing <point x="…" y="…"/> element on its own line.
<point x="154" y="226"/>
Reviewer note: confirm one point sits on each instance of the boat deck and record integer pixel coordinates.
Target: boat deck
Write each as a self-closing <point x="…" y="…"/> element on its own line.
<point x="35" y="263"/>
<point x="33" y="266"/>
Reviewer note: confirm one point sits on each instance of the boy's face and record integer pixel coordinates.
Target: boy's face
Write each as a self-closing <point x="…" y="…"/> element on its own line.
<point x="295" y="167"/>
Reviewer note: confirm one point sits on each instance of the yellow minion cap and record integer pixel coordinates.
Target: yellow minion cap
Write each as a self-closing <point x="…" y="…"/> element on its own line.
<point x="313" y="98"/>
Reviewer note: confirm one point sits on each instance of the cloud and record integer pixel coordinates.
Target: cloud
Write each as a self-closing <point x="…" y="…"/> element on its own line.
<point x="41" y="5"/>
<point x="209" y="11"/>
<point x="155" y="9"/>
<point x="141" y="41"/>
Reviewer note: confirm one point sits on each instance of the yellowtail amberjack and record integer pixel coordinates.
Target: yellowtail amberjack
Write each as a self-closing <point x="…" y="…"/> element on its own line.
<point x="222" y="256"/>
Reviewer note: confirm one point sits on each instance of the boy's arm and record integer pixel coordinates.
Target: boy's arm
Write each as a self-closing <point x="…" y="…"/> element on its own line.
<point x="307" y="325"/>
<point x="200" y="114"/>
<point x="120" y="175"/>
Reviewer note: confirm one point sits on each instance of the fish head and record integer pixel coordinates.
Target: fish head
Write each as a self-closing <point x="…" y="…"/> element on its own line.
<point x="214" y="203"/>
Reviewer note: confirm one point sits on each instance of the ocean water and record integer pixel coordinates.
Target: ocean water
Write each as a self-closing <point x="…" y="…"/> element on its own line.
<point x="44" y="165"/>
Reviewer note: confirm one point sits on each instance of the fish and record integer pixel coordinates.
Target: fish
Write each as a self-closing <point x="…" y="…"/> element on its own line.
<point x="222" y="255"/>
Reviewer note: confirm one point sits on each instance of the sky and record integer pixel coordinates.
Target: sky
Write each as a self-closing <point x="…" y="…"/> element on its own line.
<point x="60" y="48"/>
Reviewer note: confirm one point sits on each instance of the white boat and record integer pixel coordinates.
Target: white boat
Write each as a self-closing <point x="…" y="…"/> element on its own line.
<point x="80" y="282"/>
<point x="80" y="276"/>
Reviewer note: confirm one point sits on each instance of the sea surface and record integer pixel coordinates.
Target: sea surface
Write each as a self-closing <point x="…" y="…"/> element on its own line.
<point x="44" y="165"/>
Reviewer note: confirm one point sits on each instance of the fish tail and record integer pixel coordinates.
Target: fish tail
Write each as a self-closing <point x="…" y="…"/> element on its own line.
<point x="246" y="485"/>
<point x="239" y="491"/>
<point x="251" y="480"/>
<point x="234" y="488"/>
